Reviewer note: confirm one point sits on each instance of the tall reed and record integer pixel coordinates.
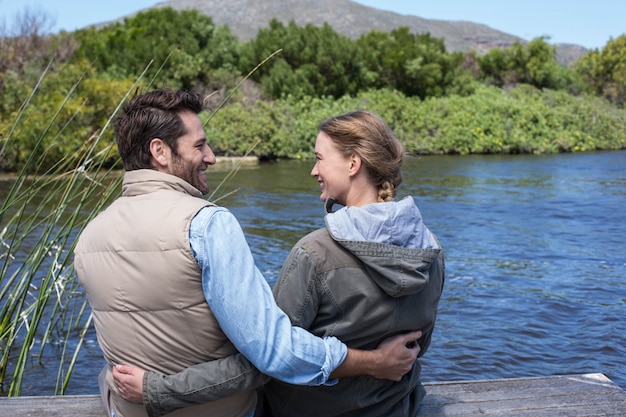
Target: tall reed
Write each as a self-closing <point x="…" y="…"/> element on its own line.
<point x="41" y="303"/>
<point x="40" y="217"/>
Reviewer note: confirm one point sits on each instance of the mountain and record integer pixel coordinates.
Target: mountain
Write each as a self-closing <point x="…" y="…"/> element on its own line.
<point x="246" y="17"/>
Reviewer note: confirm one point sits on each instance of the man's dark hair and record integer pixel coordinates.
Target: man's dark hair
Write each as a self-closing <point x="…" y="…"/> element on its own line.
<point x="155" y="114"/>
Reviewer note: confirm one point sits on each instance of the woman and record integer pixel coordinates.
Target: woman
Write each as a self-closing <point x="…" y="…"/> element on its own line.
<point x="373" y="272"/>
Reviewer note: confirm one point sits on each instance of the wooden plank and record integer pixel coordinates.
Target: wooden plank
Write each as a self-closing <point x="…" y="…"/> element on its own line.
<point x="588" y="395"/>
<point x="570" y="395"/>
<point x="62" y="405"/>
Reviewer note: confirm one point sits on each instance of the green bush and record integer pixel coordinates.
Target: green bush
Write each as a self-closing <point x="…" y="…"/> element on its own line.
<point x="64" y="112"/>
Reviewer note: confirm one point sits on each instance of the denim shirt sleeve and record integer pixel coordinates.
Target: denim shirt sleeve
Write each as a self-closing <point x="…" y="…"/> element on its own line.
<point x="242" y="302"/>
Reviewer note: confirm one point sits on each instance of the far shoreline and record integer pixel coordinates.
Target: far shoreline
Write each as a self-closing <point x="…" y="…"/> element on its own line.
<point x="221" y="163"/>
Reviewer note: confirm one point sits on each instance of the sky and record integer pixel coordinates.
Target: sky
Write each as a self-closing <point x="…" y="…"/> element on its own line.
<point x="590" y="23"/>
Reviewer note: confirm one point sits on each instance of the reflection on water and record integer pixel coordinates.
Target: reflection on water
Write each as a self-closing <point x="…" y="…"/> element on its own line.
<point x="535" y="259"/>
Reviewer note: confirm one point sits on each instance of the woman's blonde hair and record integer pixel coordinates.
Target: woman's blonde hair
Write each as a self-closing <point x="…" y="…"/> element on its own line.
<point x="365" y="134"/>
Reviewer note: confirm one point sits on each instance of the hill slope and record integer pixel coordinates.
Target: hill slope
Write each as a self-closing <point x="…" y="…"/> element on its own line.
<point x="246" y="17"/>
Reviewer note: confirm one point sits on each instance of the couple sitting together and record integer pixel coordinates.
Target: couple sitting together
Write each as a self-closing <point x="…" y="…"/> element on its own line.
<point x="175" y="291"/>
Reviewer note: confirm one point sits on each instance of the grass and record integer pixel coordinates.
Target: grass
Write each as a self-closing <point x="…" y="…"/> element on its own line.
<point x="40" y="217"/>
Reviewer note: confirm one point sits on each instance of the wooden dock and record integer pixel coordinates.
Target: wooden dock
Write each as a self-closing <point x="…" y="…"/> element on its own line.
<point x="589" y="395"/>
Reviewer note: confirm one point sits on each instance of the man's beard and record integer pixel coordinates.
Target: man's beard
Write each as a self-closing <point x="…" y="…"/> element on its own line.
<point x="189" y="173"/>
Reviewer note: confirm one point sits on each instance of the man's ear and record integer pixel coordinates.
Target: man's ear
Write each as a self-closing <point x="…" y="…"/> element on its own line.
<point x="160" y="153"/>
<point x="355" y="165"/>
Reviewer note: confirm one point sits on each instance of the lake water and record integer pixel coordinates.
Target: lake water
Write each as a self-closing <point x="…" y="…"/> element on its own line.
<point x="535" y="259"/>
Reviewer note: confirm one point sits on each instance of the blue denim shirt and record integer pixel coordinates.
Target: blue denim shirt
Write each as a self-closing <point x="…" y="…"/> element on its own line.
<point x="243" y="304"/>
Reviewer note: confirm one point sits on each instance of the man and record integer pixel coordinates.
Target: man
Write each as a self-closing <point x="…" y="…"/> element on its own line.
<point x="172" y="282"/>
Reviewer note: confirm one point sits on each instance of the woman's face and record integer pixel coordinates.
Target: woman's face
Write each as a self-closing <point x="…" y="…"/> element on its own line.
<point x="331" y="169"/>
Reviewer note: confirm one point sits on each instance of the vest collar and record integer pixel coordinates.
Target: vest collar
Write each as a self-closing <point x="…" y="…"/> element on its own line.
<point x="142" y="181"/>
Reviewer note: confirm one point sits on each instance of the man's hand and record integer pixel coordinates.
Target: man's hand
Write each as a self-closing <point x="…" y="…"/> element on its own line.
<point x="398" y="354"/>
<point x="392" y="359"/>
<point x="129" y="382"/>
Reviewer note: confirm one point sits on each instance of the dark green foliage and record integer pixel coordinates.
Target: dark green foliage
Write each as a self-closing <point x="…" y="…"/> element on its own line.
<point x="312" y="61"/>
<point x="416" y="65"/>
<point x="533" y="64"/>
<point x="605" y="71"/>
<point x="184" y="46"/>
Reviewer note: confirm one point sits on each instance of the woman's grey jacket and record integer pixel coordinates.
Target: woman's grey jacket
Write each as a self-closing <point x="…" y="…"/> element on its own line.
<point x="373" y="272"/>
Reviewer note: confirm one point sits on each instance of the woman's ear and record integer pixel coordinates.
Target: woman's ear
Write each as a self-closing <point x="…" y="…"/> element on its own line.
<point x="160" y="152"/>
<point x="355" y="165"/>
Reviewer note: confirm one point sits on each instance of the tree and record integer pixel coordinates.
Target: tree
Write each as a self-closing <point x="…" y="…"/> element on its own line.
<point x="534" y="64"/>
<point x="605" y="70"/>
<point x="312" y="60"/>
<point x="27" y="46"/>
<point x="185" y="47"/>
<point x="416" y="65"/>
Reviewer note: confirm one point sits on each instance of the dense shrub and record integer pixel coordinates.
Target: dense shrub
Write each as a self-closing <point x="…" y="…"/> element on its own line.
<point x="521" y="120"/>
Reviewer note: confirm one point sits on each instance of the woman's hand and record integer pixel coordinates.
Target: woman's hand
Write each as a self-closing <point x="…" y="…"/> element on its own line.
<point x="129" y="382"/>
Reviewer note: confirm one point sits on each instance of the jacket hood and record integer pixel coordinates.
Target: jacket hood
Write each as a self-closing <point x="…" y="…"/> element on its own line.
<point x="391" y="240"/>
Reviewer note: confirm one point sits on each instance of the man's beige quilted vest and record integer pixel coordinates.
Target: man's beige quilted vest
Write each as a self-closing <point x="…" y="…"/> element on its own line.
<point x="145" y="287"/>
